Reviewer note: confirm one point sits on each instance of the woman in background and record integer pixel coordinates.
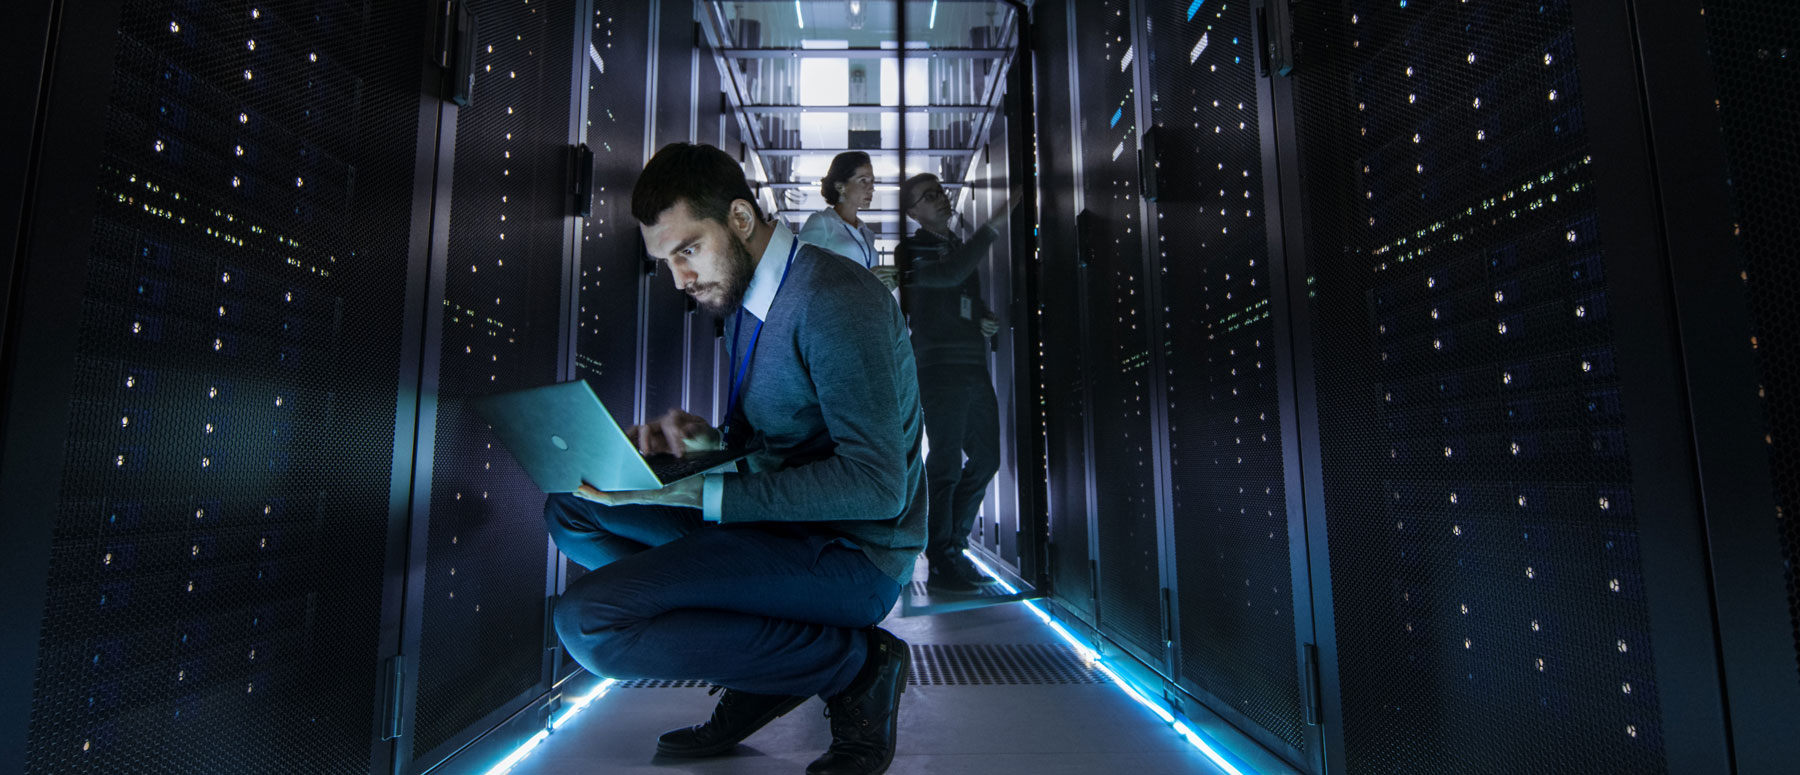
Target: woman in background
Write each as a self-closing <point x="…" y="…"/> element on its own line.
<point x="848" y="186"/>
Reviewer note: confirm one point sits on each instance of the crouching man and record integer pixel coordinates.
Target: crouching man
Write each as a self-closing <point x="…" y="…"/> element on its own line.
<point x="777" y="600"/>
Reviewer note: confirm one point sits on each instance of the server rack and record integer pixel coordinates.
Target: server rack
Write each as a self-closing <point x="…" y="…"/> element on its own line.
<point x="667" y="310"/>
<point x="1500" y="507"/>
<point x="504" y="261"/>
<point x="1059" y="311"/>
<point x="213" y="595"/>
<point x="1125" y="415"/>
<point x="1723" y="130"/>
<point x="1554" y="395"/>
<point x="1239" y="599"/>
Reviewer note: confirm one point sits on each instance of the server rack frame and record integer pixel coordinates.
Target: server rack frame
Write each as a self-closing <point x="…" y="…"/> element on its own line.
<point x="506" y="726"/>
<point x="1312" y="760"/>
<point x="1143" y="90"/>
<point x="1683" y="619"/>
<point x="74" y="72"/>
<point x="74" y="63"/>
<point x="1736" y="487"/>
<point x="1106" y="640"/>
<point x="26" y="30"/>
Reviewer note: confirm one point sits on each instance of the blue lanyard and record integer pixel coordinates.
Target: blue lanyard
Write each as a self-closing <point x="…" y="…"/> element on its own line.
<point x="868" y="250"/>
<point x="738" y="327"/>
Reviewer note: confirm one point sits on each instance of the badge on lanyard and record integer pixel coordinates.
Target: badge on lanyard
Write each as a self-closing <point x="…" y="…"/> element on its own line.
<point x="968" y="308"/>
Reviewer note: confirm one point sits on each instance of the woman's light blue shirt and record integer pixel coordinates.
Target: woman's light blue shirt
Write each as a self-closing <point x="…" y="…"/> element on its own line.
<point x="828" y="230"/>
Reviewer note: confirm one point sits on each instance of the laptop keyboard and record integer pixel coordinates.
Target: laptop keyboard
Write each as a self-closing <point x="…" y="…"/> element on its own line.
<point x="671" y="469"/>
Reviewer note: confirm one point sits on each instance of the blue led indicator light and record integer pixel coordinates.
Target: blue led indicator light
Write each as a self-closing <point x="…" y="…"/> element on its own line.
<point x="1117" y="114"/>
<point x="1194" y="8"/>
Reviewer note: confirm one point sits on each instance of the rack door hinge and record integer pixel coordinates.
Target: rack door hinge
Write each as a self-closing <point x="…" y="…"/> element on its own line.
<point x="1168" y="620"/>
<point x="394" y="675"/>
<point x="1314" y="705"/>
<point x="551" y="639"/>
<point x="1094" y="585"/>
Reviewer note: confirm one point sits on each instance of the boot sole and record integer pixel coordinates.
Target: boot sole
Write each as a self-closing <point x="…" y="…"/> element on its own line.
<point x="725" y="745"/>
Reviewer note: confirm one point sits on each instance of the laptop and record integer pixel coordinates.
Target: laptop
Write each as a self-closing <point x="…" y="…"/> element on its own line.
<point x="562" y="436"/>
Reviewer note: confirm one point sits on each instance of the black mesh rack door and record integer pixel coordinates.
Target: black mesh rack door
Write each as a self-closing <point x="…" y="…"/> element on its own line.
<point x="612" y="253"/>
<point x="1062" y="411"/>
<point x="480" y="651"/>
<point x="702" y="365"/>
<point x="217" y="568"/>
<point x="1507" y="510"/>
<point x="1119" y="329"/>
<point x="1000" y="514"/>
<point x="667" y="310"/>
<point x="1234" y="577"/>
<point x="1755" y="49"/>
<point x="1726" y="119"/>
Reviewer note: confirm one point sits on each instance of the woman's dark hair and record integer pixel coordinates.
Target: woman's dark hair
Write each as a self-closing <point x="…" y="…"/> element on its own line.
<point x="708" y="179"/>
<point x="843" y="167"/>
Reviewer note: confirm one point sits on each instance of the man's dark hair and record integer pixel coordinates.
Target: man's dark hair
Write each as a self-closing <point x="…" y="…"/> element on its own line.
<point x="843" y="167"/>
<point x="909" y="189"/>
<point x="708" y="179"/>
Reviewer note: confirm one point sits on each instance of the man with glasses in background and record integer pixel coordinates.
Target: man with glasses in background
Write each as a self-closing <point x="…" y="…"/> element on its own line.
<point x="941" y="293"/>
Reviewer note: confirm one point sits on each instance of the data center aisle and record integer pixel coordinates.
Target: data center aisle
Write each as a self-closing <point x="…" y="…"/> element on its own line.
<point x="993" y="691"/>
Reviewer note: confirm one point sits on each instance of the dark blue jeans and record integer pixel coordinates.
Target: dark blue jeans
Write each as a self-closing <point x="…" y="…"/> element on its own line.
<point x="770" y="608"/>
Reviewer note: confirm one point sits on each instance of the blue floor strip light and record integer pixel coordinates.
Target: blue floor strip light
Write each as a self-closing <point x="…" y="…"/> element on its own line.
<point x="1178" y="723"/>
<point x="518" y="755"/>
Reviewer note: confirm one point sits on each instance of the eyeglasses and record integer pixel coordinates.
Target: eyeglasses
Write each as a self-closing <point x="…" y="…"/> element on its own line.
<point x="935" y="192"/>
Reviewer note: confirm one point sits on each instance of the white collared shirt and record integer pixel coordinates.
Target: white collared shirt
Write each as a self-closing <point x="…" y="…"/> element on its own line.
<point x="769" y="269"/>
<point x="830" y="231"/>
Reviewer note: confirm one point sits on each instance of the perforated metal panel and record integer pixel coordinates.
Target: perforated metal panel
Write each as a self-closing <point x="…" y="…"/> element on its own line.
<point x="667" y="309"/>
<point x="1488" y="593"/>
<point x="612" y="253"/>
<point x="1755" y="65"/>
<point x="1235" y="589"/>
<point x="1000" y="514"/>
<point x="1062" y="367"/>
<point x="215" y="586"/>
<point x="702" y="338"/>
<point x="485" y="581"/>
<point x="1119" y="326"/>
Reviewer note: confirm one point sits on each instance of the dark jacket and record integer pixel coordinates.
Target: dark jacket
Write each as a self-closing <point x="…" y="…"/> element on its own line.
<point x="943" y="273"/>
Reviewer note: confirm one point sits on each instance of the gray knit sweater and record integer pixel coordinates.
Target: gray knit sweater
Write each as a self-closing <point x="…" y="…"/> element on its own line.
<point x="832" y="405"/>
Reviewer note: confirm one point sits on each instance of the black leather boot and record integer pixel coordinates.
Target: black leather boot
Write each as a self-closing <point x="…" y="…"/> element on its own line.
<point x="864" y="718"/>
<point x="946" y="576"/>
<point x="737" y="715"/>
<point x="966" y="568"/>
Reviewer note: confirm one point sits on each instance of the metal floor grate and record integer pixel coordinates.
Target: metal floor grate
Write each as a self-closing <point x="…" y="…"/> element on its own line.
<point x="1002" y="664"/>
<point x="660" y="683"/>
<point x="991" y="590"/>
<point x="965" y="665"/>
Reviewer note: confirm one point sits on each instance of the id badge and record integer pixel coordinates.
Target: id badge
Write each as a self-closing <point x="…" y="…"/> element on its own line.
<point x="968" y="308"/>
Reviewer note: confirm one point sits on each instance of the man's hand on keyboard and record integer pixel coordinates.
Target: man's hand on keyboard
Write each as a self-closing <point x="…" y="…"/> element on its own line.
<point x="676" y="433"/>
<point x="686" y="492"/>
